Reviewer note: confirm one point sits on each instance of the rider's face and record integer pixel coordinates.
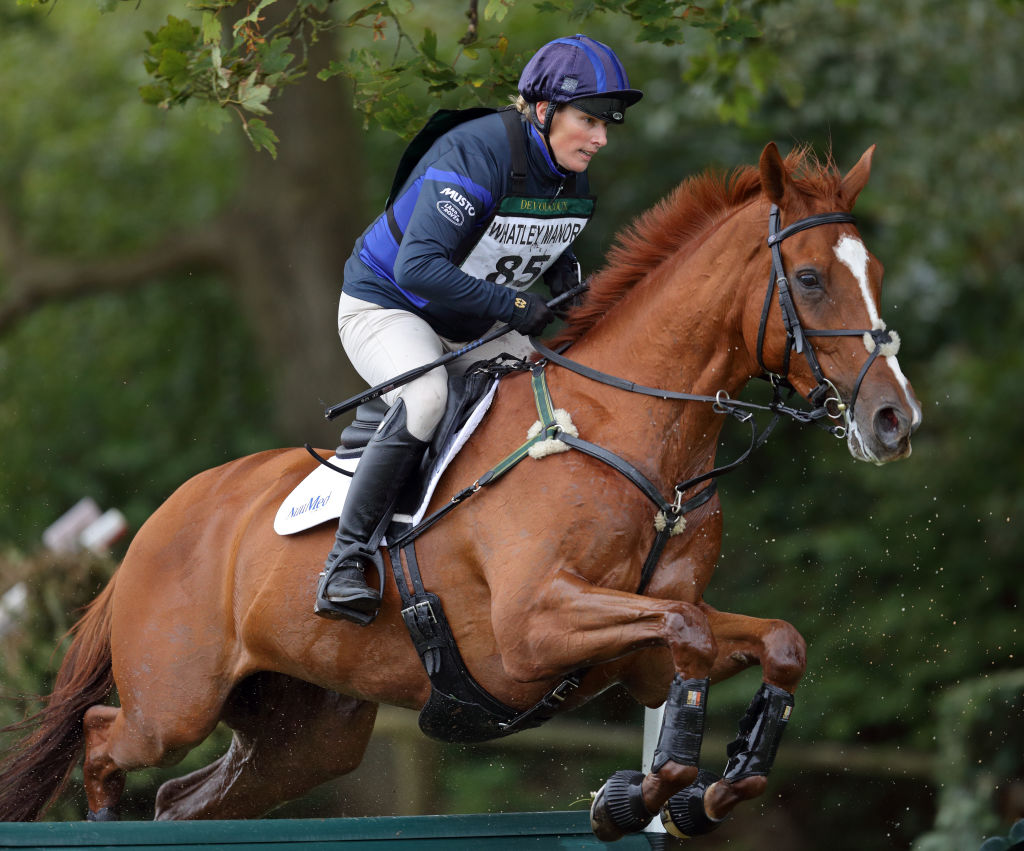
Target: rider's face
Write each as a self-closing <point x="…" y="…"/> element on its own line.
<point x="574" y="136"/>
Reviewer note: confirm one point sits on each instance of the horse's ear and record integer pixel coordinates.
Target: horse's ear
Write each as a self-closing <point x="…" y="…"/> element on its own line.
<point x="857" y="177"/>
<point x="774" y="178"/>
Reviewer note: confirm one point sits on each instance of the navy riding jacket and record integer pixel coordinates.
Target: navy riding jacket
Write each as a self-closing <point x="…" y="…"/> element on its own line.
<point x="471" y="164"/>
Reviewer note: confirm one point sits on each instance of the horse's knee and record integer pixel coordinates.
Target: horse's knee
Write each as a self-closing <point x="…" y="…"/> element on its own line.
<point x="688" y="635"/>
<point x="784" y="658"/>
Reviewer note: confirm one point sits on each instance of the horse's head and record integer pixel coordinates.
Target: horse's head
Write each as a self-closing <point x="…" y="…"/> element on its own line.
<point x="820" y="326"/>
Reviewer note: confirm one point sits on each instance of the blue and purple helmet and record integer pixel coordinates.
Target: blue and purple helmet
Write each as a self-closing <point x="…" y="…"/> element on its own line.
<point x="582" y="72"/>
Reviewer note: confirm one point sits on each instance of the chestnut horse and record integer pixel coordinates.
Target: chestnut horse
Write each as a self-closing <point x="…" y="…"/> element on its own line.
<point x="209" y="618"/>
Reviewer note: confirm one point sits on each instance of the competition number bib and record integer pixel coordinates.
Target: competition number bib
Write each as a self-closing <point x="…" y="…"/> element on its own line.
<point x="525" y="237"/>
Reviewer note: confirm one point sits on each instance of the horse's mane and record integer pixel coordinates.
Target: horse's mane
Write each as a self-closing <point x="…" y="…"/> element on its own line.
<point x="692" y="208"/>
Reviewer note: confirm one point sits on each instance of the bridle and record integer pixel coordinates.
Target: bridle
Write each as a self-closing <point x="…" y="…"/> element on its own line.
<point x="825" y="397"/>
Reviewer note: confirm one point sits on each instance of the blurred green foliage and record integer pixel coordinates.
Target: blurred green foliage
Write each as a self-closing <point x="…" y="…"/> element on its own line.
<point x="904" y="580"/>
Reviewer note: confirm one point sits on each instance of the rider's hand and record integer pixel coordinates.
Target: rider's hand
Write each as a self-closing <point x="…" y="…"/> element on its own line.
<point x="530" y="315"/>
<point x="563" y="275"/>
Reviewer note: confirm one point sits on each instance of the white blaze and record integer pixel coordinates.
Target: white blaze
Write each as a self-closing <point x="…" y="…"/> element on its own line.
<point x="852" y="254"/>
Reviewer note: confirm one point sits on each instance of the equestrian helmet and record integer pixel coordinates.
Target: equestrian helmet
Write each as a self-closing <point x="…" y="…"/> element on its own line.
<point x="581" y="72"/>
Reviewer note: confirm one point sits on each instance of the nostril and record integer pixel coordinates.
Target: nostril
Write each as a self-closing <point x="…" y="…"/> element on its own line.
<point x="889" y="426"/>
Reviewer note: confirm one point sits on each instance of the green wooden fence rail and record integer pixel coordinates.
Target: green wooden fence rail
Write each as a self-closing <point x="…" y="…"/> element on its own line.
<point x="486" y="832"/>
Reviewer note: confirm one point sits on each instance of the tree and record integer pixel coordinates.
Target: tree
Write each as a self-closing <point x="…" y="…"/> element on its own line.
<point x="279" y="244"/>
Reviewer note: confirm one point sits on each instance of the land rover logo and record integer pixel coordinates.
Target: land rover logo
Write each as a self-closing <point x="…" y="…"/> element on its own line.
<point x="450" y="212"/>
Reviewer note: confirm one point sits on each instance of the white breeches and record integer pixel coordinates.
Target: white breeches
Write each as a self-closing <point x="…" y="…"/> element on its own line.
<point x="383" y="343"/>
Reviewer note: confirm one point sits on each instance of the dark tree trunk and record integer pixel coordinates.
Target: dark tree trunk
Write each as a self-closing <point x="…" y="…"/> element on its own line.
<point x="288" y="236"/>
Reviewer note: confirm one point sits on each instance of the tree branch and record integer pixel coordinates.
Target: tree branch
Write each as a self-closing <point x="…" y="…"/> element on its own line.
<point x="474" y="21"/>
<point x="33" y="280"/>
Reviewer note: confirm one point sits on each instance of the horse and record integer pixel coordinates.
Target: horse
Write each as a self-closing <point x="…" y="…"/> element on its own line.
<point x="208" y="618"/>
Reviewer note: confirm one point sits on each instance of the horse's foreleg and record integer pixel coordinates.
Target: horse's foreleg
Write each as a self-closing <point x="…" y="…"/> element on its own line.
<point x="567" y="622"/>
<point x="571" y="623"/>
<point x="781" y="652"/>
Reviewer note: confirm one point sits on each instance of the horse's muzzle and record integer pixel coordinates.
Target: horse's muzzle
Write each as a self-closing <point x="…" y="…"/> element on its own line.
<point x="882" y="435"/>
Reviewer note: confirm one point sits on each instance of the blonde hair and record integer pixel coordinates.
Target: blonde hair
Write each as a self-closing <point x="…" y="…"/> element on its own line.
<point x="521" y="104"/>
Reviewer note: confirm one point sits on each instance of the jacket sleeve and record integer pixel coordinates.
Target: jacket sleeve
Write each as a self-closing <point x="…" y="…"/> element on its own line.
<point x="454" y="196"/>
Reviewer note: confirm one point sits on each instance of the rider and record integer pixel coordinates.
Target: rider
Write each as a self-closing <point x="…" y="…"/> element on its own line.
<point x="471" y="228"/>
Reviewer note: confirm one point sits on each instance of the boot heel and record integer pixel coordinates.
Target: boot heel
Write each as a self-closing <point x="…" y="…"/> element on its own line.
<point x="335" y="611"/>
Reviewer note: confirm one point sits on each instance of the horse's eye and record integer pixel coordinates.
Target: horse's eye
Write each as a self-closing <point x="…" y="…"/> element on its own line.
<point x="808" y="279"/>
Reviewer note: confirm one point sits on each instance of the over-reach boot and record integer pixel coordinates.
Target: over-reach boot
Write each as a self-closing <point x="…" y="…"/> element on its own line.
<point x="387" y="462"/>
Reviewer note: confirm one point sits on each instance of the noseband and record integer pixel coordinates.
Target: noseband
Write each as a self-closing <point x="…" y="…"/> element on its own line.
<point x="824" y="396"/>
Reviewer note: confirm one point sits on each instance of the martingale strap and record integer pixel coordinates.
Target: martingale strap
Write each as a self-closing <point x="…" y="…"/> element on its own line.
<point x="551" y="430"/>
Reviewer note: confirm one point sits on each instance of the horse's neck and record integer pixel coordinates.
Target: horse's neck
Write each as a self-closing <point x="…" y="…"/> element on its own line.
<point x="679" y="329"/>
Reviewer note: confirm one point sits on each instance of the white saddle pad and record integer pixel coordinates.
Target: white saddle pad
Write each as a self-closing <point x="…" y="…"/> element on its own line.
<point x="321" y="495"/>
<point x="318" y="498"/>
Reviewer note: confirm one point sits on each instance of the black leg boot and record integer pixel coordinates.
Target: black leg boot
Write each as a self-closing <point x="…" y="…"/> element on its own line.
<point x="387" y="462"/>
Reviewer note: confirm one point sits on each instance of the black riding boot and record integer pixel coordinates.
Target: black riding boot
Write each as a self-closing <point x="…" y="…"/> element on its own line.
<point x="387" y="462"/>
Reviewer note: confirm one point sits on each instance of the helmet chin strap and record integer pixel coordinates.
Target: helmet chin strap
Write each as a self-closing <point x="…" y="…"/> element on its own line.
<point x="545" y="127"/>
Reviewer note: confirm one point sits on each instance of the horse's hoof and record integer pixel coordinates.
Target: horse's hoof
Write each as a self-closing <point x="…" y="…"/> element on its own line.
<point x="684" y="815"/>
<point x="102" y="814"/>
<point x="618" y="807"/>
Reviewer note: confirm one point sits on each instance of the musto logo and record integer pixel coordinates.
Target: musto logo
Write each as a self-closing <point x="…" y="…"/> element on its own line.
<point x="450" y="212"/>
<point x="453" y="204"/>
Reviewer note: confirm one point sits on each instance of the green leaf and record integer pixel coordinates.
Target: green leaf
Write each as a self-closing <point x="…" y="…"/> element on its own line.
<point x="153" y="95"/>
<point x="428" y="47"/>
<point x="261" y="136"/>
<point x="211" y="28"/>
<point x="275" y="56"/>
<point x="176" y="34"/>
<point x="222" y="75"/>
<point x="739" y="29"/>
<point x="172" y="67"/>
<point x="252" y="96"/>
<point x="333" y="69"/>
<point x="213" y="116"/>
<point x="661" y="34"/>
<point x="496" y="10"/>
